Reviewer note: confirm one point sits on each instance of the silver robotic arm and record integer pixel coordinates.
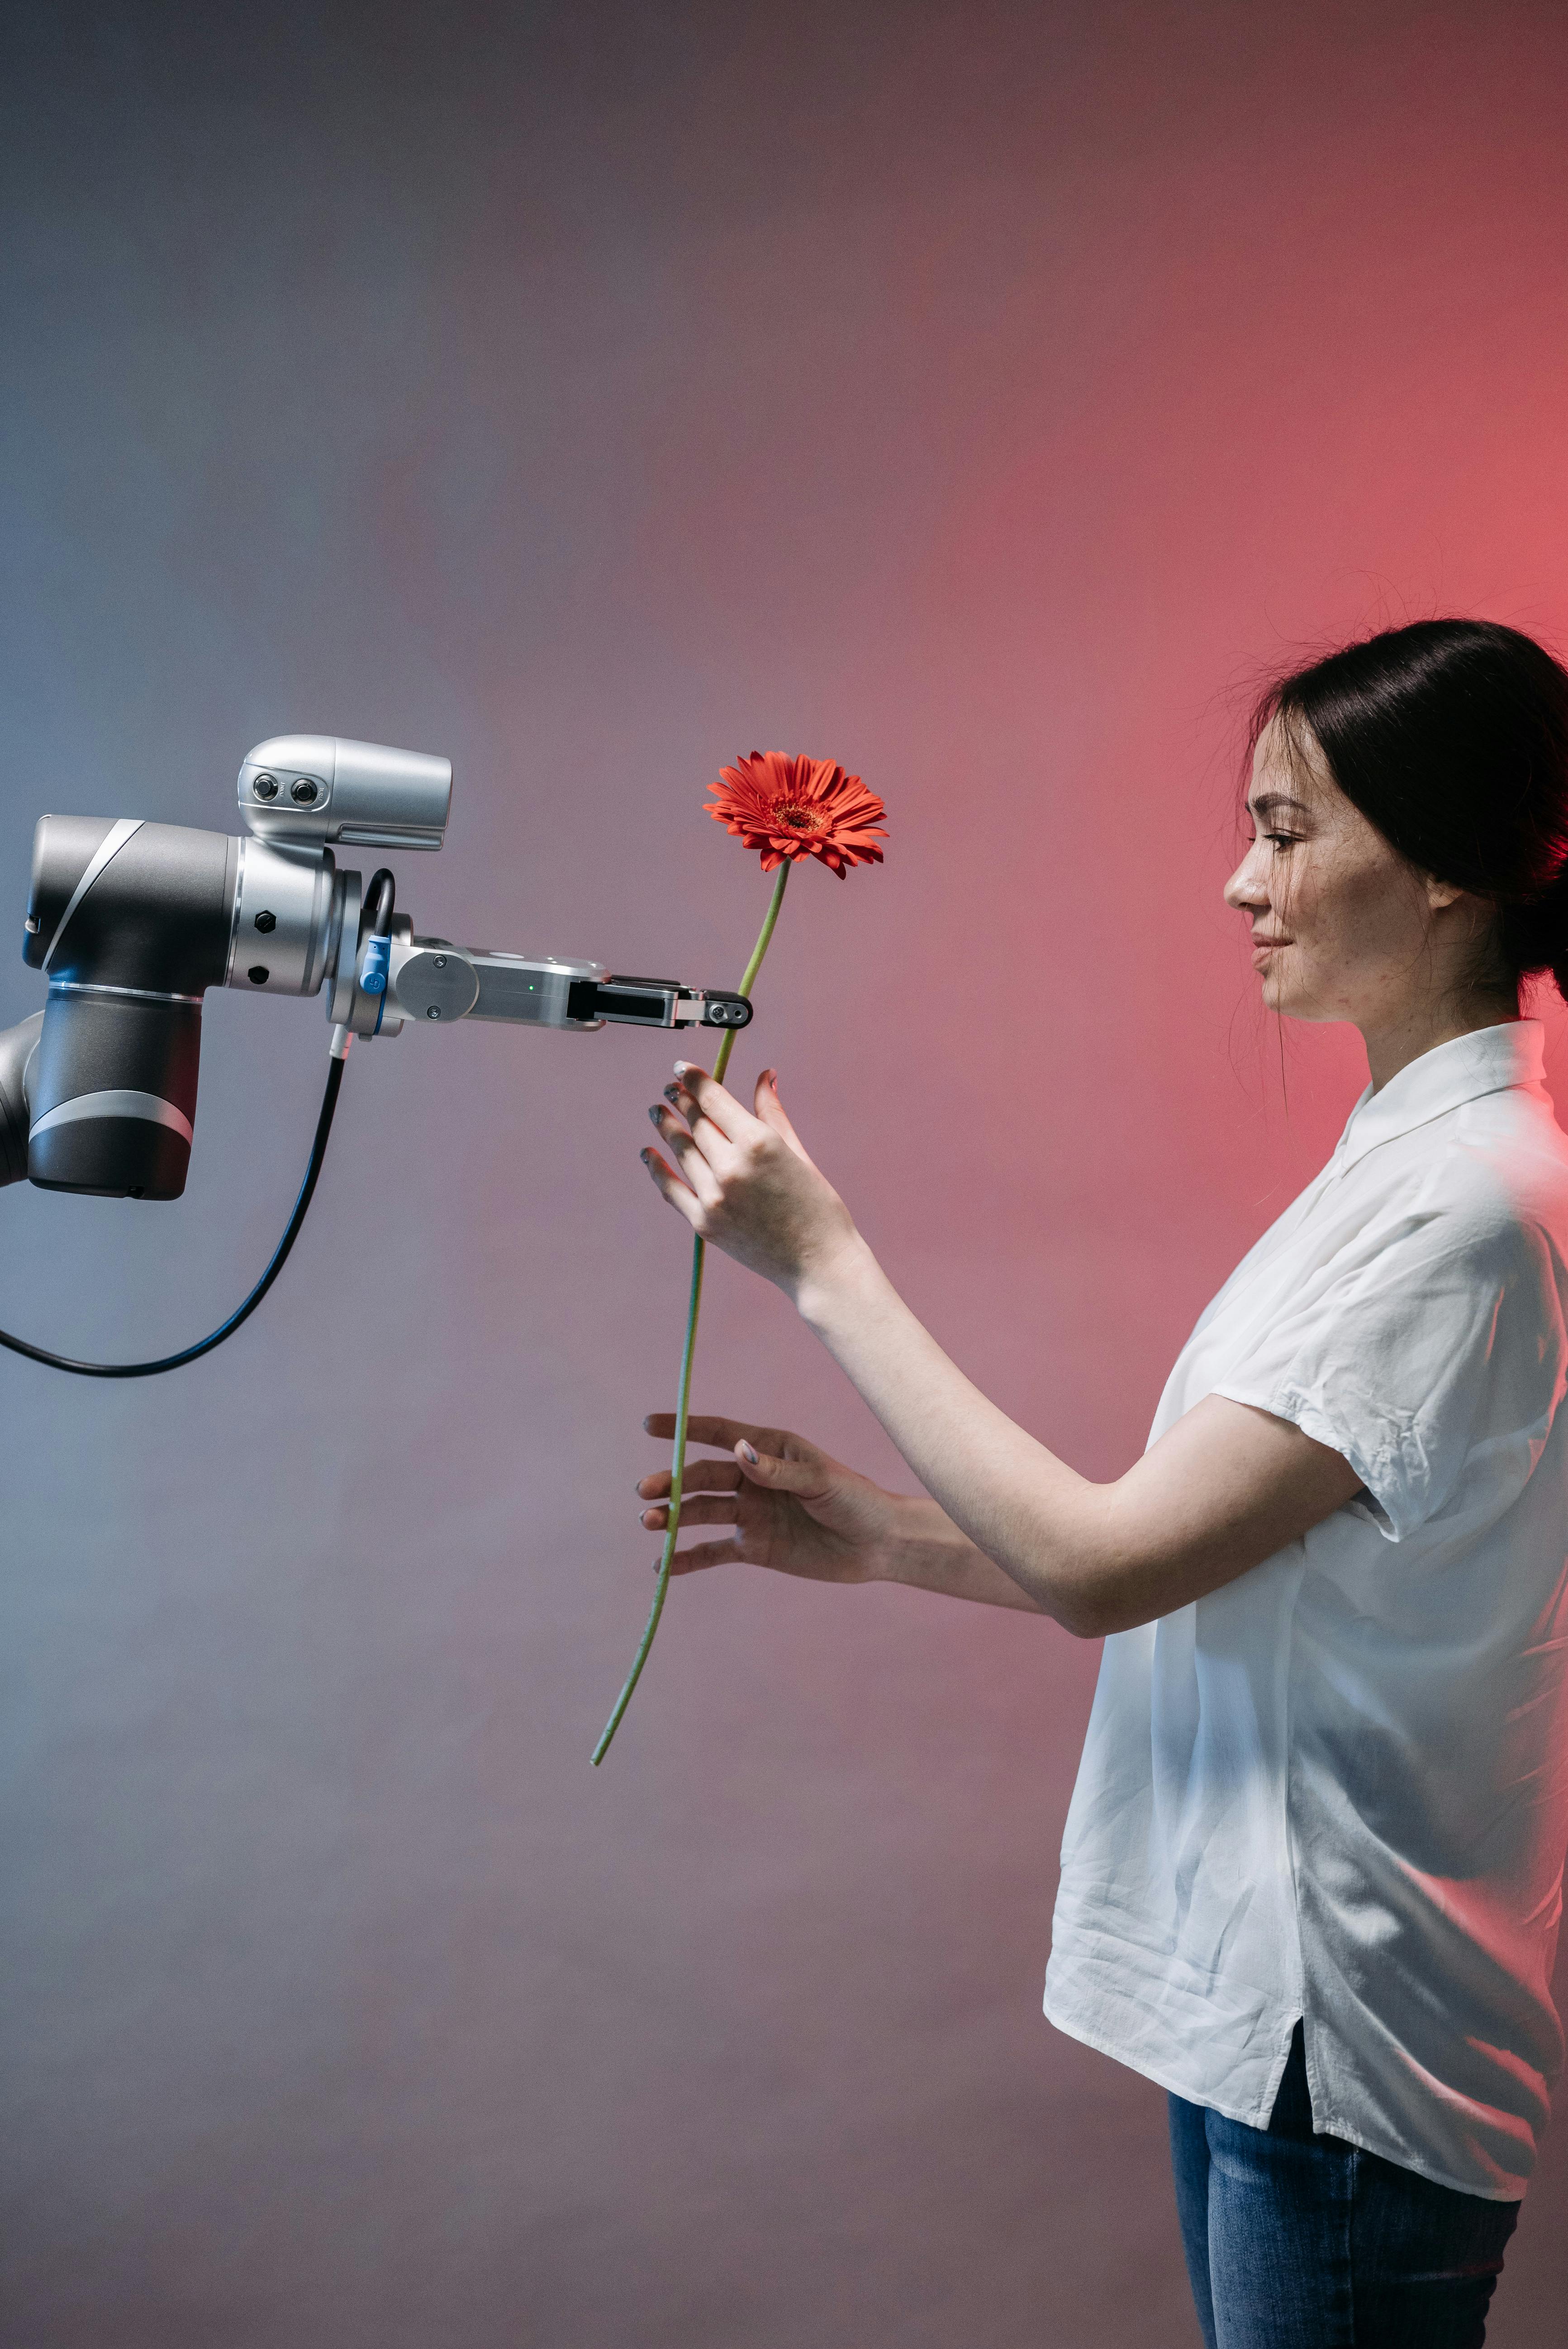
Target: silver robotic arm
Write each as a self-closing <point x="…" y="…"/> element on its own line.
<point x="132" y="923"/>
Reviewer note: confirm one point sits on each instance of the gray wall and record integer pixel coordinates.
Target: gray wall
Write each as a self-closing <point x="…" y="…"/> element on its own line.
<point x="978" y="394"/>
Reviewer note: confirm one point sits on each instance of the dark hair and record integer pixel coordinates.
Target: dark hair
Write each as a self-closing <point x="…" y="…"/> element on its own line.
<point x="1451" y="737"/>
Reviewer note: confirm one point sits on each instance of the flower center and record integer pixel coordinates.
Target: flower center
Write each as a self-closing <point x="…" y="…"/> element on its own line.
<point x="799" y="819"/>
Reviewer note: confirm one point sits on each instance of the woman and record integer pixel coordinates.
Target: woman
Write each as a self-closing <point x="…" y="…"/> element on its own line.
<point x="1312" y="1869"/>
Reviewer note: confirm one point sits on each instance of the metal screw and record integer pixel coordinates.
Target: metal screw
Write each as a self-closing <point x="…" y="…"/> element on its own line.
<point x="303" y="791"/>
<point x="434" y="1012"/>
<point x="440" y="962"/>
<point x="266" y="787"/>
<point x="266" y="921"/>
<point x="258" y="974"/>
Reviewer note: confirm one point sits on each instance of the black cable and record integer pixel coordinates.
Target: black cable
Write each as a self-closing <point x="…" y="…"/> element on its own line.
<point x="380" y="901"/>
<point x="244" y="1313"/>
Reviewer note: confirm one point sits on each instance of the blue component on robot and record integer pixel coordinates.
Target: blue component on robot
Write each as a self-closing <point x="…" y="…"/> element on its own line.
<point x="374" y="969"/>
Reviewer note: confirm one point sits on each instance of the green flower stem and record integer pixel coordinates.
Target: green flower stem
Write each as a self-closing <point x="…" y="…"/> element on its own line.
<point x="748" y="976"/>
<point x="699" y="1252"/>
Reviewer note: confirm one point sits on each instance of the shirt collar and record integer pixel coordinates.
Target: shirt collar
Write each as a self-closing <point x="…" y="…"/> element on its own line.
<point x="1487" y="1060"/>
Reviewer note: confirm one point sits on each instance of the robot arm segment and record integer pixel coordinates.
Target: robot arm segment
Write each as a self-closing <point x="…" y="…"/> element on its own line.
<point x="433" y="980"/>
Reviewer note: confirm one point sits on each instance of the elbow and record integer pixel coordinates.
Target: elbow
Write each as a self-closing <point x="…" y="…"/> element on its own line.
<point x="1101" y="1584"/>
<point x="1085" y="1614"/>
<point x="1099" y="1599"/>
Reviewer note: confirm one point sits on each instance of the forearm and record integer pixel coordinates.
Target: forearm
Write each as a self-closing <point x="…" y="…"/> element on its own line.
<point x="1012" y="1516"/>
<point x="1225" y="1488"/>
<point x="925" y="1550"/>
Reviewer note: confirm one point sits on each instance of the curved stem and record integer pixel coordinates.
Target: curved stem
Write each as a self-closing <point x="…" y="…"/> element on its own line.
<point x="749" y="975"/>
<point x="683" y="1404"/>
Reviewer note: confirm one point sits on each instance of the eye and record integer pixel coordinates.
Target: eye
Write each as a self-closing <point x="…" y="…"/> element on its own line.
<point x="1283" y="839"/>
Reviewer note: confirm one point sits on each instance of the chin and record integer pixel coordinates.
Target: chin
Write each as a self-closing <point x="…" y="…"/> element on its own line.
<point x="1284" y="1001"/>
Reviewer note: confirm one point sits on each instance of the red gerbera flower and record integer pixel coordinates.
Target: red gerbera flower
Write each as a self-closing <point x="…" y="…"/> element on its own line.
<point x="791" y="808"/>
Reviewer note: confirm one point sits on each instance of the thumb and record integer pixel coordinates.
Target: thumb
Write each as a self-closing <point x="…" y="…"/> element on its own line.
<point x="770" y="1110"/>
<point x="778" y="1476"/>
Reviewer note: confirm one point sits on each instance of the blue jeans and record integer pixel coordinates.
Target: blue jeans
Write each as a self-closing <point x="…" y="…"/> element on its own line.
<point x="1300" y="2242"/>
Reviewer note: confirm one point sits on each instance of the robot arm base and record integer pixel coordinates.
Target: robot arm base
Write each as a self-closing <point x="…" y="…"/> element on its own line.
<point x="16" y="1049"/>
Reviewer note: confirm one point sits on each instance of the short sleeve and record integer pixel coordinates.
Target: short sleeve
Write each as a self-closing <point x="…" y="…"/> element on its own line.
<point x="1431" y="1357"/>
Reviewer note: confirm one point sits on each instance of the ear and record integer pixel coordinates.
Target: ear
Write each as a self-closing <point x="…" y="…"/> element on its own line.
<point x="1441" y="894"/>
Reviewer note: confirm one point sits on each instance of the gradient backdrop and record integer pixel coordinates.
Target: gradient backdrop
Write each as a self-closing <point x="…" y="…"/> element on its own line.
<point x="984" y="394"/>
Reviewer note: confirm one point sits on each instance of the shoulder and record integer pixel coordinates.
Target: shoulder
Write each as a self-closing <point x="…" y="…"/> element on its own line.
<point x="1493" y="1178"/>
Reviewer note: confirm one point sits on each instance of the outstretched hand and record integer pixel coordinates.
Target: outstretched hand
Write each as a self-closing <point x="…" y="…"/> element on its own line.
<point x="790" y="1506"/>
<point x="743" y="1180"/>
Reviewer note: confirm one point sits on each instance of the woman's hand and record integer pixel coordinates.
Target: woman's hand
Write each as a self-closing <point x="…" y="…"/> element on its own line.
<point x="745" y="1182"/>
<point x="790" y="1506"/>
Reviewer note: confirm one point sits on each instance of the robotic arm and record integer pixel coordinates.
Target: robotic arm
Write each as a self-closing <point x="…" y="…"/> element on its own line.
<point x="132" y="922"/>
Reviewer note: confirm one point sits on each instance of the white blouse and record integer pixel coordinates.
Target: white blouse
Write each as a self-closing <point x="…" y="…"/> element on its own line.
<point x="1337" y="1789"/>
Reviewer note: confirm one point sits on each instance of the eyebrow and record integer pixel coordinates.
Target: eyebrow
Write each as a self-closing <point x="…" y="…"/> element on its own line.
<point x="1271" y="800"/>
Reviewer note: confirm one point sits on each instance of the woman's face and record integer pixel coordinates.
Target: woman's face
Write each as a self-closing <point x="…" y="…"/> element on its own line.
<point x="1341" y="927"/>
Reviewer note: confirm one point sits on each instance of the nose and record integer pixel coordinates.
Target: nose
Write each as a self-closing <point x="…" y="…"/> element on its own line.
<point x="1247" y="888"/>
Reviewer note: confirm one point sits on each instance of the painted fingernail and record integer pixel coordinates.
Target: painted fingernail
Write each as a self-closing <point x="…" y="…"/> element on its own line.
<point x="646" y="1155"/>
<point x="656" y="1113"/>
<point x="672" y="1092"/>
<point x="747" y="1453"/>
<point x="681" y="1068"/>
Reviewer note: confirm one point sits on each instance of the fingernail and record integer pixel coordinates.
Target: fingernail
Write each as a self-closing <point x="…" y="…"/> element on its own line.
<point x="671" y="1093"/>
<point x="747" y="1453"/>
<point x="681" y="1068"/>
<point x="644" y="1155"/>
<point x="656" y="1113"/>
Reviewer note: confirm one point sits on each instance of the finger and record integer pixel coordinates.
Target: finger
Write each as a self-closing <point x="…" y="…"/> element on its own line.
<point x="681" y="1196"/>
<point x="701" y="1509"/>
<point x="810" y="1478"/>
<point x="736" y="1124"/>
<point x="689" y="1157"/>
<point x="701" y="1476"/>
<point x="710" y="1138"/>
<point x="706" y="1554"/>
<point x="725" y="1434"/>
<point x="771" y="1112"/>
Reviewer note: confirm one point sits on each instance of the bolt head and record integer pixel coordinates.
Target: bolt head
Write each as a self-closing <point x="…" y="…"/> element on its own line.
<point x="266" y="787"/>
<point x="266" y="922"/>
<point x="434" y="1012"/>
<point x="440" y="962"/>
<point x="258" y="974"/>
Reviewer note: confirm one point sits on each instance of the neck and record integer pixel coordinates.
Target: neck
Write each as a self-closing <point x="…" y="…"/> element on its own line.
<point x="1392" y="1044"/>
